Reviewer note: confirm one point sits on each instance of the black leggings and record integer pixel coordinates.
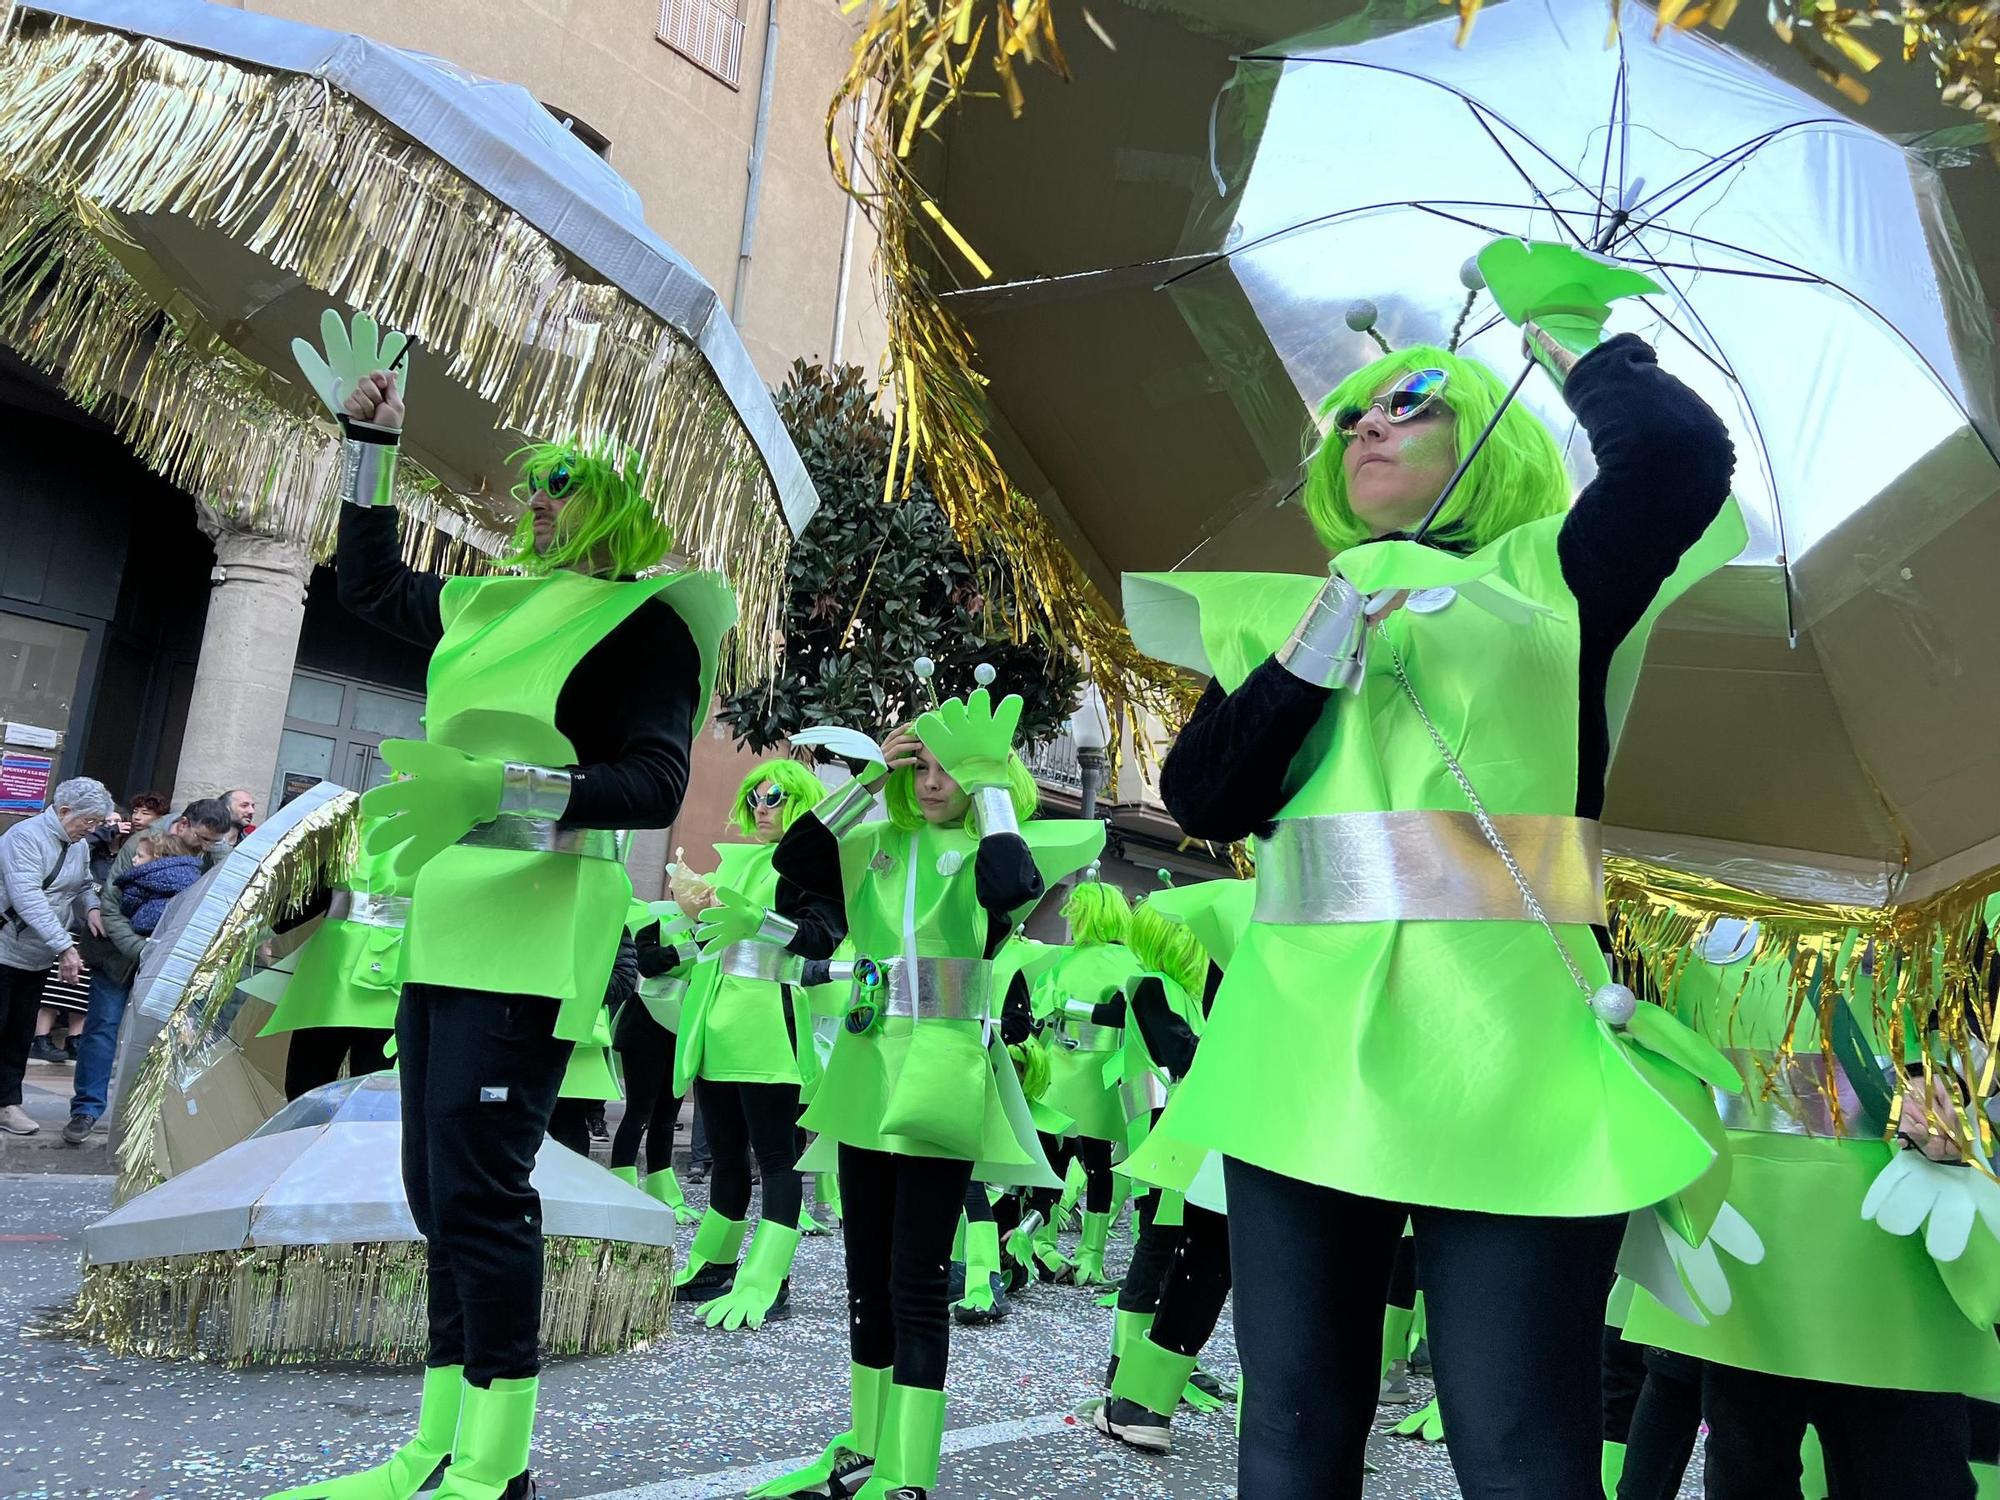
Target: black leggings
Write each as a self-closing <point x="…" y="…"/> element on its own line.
<point x="1516" y="1309"/>
<point x="1152" y="1258"/>
<point x="978" y="1207"/>
<point x="479" y="1078"/>
<point x="1403" y="1275"/>
<point x="315" y="1055"/>
<point x="569" y="1124"/>
<point x="762" y="1117"/>
<point x="1096" y="1158"/>
<point x="1197" y="1284"/>
<point x="900" y="1213"/>
<point x="646" y="1053"/>
<point x="1876" y="1442"/>
<point x="1664" y="1422"/>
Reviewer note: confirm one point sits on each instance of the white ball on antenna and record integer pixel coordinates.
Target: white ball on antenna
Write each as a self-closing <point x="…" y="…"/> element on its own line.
<point x="1469" y="275"/>
<point x="924" y="667"/>
<point x="1361" y="315"/>
<point x="983" y="674"/>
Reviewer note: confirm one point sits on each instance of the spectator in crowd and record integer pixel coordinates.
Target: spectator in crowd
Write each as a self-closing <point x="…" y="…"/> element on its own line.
<point x="163" y="865"/>
<point x="44" y="872"/>
<point x="114" y="958"/>
<point x="148" y="808"/>
<point x="242" y="806"/>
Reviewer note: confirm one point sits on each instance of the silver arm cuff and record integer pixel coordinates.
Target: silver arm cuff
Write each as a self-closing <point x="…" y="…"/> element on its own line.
<point x="368" y="464"/>
<point x="1324" y="648"/>
<point x="1543" y="345"/>
<point x="777" y="929"/>
<point x="996" y="811"/>
<point x="845" y="808"/>
<point x="534" y="791"/>
<point x="685" y="953"/>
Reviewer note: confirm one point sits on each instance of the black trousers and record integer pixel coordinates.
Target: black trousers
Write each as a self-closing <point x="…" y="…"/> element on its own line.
<point x="569" y="1124"/>
<point x="479" y="1076"/>
<point x="1876" y="1442"/>
<point x="899" y="1216"/>
<point x="760" y="1118"/>
<point x="1516" y="1309"/>
<point x="1096" y="1158"/>
<point x="1664" y="1420"/>
<point x="978" y="1207"/>
<point x="1152" y="1258"/>
<point x="20" y="1002"/>
<point x="646" y="1053"/>
<point x="1058" y="1152"/>
<point x="1197" y="1284"/>
<point x="317" y="1053"/>
<point x="1403" y="1275"/>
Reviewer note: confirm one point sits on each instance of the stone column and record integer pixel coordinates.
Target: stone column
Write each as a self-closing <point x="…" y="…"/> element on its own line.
<point x="244" y="677"/>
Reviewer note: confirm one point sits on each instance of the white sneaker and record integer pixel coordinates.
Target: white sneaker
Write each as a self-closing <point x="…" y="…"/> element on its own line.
<point x="15" y="1120"/>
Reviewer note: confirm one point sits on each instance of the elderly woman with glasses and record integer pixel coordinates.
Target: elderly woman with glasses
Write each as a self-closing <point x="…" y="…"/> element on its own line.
<point x="1418" y="1026"/>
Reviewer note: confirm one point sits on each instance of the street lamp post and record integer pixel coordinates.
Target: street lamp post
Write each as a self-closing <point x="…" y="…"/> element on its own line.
<point x="1090" y="728"/>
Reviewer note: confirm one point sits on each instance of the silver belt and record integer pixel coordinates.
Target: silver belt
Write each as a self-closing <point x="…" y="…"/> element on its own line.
<point x="947" y="989"/>
<point x="365" y="909"/>
<point x="759" y="960"/>
<point x="1791" y="1095"/>
<point x="1426" y="866"/>
<point x="662" y="996"/>
<point x="541" y="836"/>
<point x="1088" y="1036"/>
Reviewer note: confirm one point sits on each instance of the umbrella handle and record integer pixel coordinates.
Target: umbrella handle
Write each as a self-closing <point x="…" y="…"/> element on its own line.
<point x="1465" y="463"/>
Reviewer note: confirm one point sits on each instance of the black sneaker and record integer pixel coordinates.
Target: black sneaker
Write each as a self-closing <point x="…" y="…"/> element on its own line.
<point x="1132" y="1424"/>
<point x="1208" y="1385"/>
<point x="954" y="1281"/>
<point x="1420" y="1358"/>
<point x="41" y="1049"/>
<point x="973" y="1316"/>
<point x="851" y="1470"/>
<point x="79" y="1128"/>
<point x="520" y="1487"/>
<point x="711" y="1281"/>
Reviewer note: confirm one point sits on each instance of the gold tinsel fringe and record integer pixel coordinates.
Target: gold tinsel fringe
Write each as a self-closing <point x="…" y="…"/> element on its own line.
<point x="97" y="123"/>
<point x="310" y="856"/>
<point x="320" y="1303"/>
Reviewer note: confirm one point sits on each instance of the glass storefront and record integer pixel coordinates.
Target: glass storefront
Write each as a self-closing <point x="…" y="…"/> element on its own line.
<point x="334" y="728"/>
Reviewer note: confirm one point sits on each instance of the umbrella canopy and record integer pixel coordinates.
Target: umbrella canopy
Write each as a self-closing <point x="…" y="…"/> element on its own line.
<point x="238" y="172"/>
<point x="1158" y="403"/>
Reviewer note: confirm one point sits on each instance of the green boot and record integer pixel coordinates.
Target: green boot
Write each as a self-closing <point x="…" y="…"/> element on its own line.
<point x="627" y="1175"/>
<point x="663" y="1187"/>
<point x="1396" y="1323"/>
<point x="1074" y="1181"/>
<point x="493" y="1436"/>
<point x="411" y="1466"/>
<point x="850" y="1457"/>
<point x="1090" y="1252"/>
<point x="1143" y="1396"/>
<point x="1611" y="1468"/>
<point x="711" y="1260"/>
<point x="1127" y="1328"/>
<point x="762" y="1286"/>
<point x="826" y="1192"/>
<point x="911" y="1445"/>
<point x="984" y="1300"/>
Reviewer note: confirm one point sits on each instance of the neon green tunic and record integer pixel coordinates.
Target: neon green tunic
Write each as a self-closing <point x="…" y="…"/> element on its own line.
<point x="521" y="922"/>
<point x="1835" y="1298"/>
<point x="1078" y="1083"/>
<point x="350" y="972"/>
<point x="733" y="1030"/>
<point x="913" y="894"/>
<point x="1452" y="1063"/>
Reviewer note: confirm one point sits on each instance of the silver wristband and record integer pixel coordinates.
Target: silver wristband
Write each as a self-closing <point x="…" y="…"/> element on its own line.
<point x="685" y="953"/>
<point x="368" y="464"/>
<point x="534" y="791"/>
<point x="995" y="805"/>
<point x="846" y="808"/>
<point x="1324" y="648"/>
<point x="776" y="929"/>
<point x="1544" y="346"/>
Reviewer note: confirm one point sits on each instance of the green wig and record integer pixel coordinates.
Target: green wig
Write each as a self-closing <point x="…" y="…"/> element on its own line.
<point x="1166" y="945"/>
<point x="899" y="795"/>
<point x="802" y="790"/>
<point x="1517" y="477"/>
<point x="608" y="525"/>
<point x="1032" y="1067"/>
<point x="1097" y="912"/>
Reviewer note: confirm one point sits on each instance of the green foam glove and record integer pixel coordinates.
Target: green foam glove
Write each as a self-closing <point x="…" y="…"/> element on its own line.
<point x="717" y="1241"/>
<point x="1154" y="1377"/>
<point x="410" y="1467"/>
<point x="1943" y="1199"/>
<point x="445" y="794"/>
<point x="494" y="1431"/>
<point x="1090" y="1252"/>
<point x="972" y="739"/>
<point x="1200" y="1399"/>
<point x="749" y="1301"/>
<point x="735" y="920"/>
<point x="1426" y="1422"/>
<point x="663" y="1187"/>
<point x="912" y="1442"/>
<point x="351" y="353"/>
<point x="1396" y="1323"/>
<point x="867" y="1395"/>
<point x="1559" y="288"/>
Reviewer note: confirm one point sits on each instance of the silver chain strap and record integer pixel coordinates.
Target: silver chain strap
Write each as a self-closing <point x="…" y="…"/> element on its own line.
<point x="1479" y="814"/>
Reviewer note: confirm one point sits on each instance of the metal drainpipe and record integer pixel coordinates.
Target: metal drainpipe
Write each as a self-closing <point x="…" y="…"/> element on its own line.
<point x="847" y="232"/>
<point x="739" y="298"/>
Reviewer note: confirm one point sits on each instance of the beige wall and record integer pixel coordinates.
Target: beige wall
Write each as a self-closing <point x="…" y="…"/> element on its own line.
<point x="682" y="138"/>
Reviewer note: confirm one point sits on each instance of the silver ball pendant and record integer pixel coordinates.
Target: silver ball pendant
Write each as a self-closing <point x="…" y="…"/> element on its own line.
<point x="923" y="666"/>
<point x="1361" y="315"/>
<point x="1470" y="276"/>
<point x="983" y="674"/>
<point x="1614" y="1005"/>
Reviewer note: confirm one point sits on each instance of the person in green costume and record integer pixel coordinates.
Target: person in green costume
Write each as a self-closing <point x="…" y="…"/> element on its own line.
<point x="746" y="1047"/>
<point x="541" y="742"/>
<point x="1851" y="1322"/>
<point x="1090" y="976"/>
<point x="644" y="1034"/>
<point x="1402" y="1033"/>
<point x="920" y="1096"/>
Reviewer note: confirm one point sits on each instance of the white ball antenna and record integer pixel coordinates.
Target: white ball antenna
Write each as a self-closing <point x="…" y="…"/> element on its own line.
<point x="924" y="667"/>
<point x="983" y="674"/>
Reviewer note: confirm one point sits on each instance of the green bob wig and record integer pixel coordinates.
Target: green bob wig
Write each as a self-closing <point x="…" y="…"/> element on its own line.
<point x="899" y="795"/>
<point x="608" y="526"/>
<point x="1097" y="912"/>
<point x="1166" y="945"/>
<point x="802" y="790"/>
<point x="1517" y="477"/>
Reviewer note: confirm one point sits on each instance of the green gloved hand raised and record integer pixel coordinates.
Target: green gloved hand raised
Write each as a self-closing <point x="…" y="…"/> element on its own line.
<point x="353" y="353"/>
<point x="734" y="919"/>
<point x="1564" y="291"/>
<point x="971" y="738"/>
<point x="442" y="794"/>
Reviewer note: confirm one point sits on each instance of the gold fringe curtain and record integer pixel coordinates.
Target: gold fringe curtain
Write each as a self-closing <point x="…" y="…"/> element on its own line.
<point x="319" y="1303"/>
<point x="318" y="849"/>
<point x="97" y="123"/>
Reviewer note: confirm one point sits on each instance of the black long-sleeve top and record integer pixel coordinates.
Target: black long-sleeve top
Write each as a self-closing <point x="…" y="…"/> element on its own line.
<point x="628" y="708"/>
<point x="1663" y="468"/>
